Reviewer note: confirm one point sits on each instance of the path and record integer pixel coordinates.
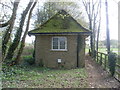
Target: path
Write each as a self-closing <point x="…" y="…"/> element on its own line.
<point x="97" y="77"/>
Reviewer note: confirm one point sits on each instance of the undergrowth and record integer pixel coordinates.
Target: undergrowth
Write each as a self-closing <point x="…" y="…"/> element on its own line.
<point x="38" y="77"/>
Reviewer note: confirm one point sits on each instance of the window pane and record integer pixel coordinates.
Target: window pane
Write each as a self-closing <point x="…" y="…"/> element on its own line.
<point x="55" y="39"/>
<point x="61" y="39"/>
<point x="62" y="43"/>
<point x="55" y="47"/>
<point x="55" y="43"/>
<point x="62" y="47"/>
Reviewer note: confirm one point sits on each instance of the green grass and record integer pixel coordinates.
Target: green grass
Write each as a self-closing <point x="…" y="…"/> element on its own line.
<point x="104" y="50"/>
<point x="28" y="50"/>
<point x="37" y="77"/>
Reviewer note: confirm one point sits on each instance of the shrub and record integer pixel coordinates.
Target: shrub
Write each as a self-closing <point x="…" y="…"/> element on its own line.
<point x="94" y="53"/>
<point x="28" y="60"/>
<point x="112" y="62"/>
<point x="33" y="54"/>
<point x="89" y="52"/>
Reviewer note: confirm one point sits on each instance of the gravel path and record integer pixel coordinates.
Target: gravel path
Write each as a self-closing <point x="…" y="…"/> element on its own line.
<point x="97" y="77"/>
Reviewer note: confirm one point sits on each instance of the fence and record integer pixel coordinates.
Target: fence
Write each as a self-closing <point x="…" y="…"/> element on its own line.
<point x="102" y="59"/>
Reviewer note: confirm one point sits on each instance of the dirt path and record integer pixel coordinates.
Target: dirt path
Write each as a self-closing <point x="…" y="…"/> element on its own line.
<point x="97" y="77"/>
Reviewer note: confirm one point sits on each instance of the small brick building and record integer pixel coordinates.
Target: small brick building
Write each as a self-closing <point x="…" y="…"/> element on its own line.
<point x="60" y="42"/>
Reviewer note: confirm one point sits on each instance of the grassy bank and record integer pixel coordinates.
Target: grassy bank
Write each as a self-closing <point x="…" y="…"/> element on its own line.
<point x="36" y="77"/>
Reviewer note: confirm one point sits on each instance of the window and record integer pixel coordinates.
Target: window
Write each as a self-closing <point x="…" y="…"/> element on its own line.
<point x="59" y="43"/>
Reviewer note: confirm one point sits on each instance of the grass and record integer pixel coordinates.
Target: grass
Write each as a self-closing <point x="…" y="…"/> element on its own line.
<point x="37" y="77"/>
<point x="104" y="50"/>
<point x="28" y="50"/>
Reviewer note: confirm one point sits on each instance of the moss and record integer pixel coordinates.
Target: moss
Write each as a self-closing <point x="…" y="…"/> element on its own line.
<point x="61" y="22"/>
<point x="49" y="30"/>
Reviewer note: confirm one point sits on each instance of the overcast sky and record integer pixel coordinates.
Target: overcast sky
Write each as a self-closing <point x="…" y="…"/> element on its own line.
<point x="113" y="19"/>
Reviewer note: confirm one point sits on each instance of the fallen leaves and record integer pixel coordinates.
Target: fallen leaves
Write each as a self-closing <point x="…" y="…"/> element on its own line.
<point x="34" y="78"/>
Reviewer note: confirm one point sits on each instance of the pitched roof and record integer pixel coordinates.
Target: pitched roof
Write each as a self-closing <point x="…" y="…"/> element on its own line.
<point x="60" y="23"/>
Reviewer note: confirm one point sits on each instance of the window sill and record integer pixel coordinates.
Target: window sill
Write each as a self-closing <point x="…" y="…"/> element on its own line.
<point x="58" y="50"/>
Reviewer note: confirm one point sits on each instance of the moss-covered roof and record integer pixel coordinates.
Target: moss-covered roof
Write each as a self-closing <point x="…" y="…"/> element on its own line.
<point x="61" y="22"/>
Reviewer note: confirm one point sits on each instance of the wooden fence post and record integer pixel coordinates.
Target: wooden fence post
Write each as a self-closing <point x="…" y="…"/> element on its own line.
<point x="97" y="56"/>
<point x="105" y="62"/>
<point x="118" y="67"/>
<point x="100" y="58"/>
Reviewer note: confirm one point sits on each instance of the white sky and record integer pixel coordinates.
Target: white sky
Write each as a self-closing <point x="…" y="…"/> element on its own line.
<point x="113" y="19"/>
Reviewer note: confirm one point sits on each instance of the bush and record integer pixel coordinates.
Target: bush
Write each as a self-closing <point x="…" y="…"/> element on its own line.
<point x="94" y="53"/>
<point x="89" y="52"/>
<point x="28" y="60"/>
<point x="112" y="62"/>
<point x="33" y="54"/>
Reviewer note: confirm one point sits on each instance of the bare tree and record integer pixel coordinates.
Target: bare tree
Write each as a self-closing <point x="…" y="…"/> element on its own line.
<point x="18" y="34"/>
<point x="91" y="8"/>
<point x="4" y="7"/>
<point x="107" y="28"/>
<point x="10" y="25"/>
<point x="98" y="30"/>
<point x="22" y="44"/>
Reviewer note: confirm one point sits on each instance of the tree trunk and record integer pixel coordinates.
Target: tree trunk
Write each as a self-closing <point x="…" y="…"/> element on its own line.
<point x="92" y="13"/>
<point x="17" y="59"/>
<point x="98" y="31"/>
<point x="9" y="29"/>
<point x="16" y="40"/>
<point x="107" y="28"/>
<point x="91" y="37"/>
<point x="94" y="36"/>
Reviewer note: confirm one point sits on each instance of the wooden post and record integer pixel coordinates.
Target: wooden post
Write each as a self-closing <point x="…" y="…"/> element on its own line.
<point x="105" y="62"/>
<point x="100" y="58"/>
<point x="97" y="56"/>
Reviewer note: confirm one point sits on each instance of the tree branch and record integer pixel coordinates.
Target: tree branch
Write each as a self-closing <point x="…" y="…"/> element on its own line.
<point x="4" y="5"/>
<point x="15" y="5"/>
<point x="24" y="36"/>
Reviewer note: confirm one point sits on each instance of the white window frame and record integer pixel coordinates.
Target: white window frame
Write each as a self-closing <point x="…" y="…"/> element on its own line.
<point x="59" y="44"/>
